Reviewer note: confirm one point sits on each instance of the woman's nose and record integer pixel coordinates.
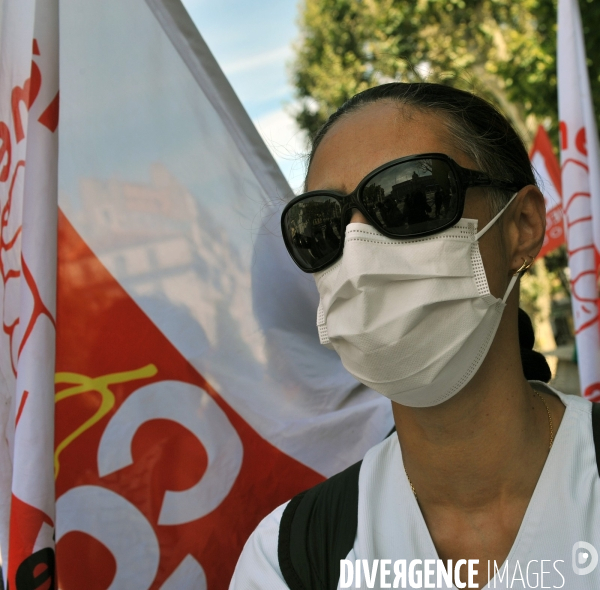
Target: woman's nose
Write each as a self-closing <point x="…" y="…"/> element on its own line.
<point x="358" y="217"/>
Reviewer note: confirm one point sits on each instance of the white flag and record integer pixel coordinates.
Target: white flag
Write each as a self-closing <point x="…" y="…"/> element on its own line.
<point x="580" y="164"/>
<point x="28" y="200"/>
<point x="192" y="393"/>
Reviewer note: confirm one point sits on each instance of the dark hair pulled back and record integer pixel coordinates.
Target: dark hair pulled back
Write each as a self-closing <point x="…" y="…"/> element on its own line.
<point x="535" y="366"/>
<point x="482" y="133"/>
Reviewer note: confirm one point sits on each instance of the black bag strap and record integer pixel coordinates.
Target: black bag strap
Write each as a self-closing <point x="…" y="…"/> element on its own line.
<point x="596" y="431"/>
<point x="317" y="530"/>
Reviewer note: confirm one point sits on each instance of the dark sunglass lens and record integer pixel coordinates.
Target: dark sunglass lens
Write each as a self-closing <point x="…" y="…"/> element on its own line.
<point x="412" y="197"/>
<point x="312" y="231"/>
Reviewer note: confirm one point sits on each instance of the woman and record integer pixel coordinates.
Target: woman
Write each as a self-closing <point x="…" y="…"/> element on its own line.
<point x="433" y="196"/>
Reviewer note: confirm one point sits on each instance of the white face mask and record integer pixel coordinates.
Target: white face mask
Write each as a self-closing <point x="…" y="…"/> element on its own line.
<point x="412" y="319"/>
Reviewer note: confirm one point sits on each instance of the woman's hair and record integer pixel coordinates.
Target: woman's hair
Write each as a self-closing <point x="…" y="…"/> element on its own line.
<point x="482" y="133"/>
<point x="534" y="363"/>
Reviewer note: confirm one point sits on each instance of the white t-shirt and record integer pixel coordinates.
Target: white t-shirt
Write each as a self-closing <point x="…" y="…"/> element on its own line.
<point x="564" y="510"/>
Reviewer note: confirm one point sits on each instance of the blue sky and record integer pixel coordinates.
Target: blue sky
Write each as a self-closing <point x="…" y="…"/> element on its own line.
<point x="252" y="41"/>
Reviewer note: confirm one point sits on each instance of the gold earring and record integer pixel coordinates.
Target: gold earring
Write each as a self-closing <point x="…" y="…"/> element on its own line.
<point x="525" y="266"/>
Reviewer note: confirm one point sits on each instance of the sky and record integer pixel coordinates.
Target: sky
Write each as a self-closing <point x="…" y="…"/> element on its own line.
<point x="252" y="41"/>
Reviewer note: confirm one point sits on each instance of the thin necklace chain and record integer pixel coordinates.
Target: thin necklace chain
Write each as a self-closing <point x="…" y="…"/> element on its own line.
<point x="412" y="487"/>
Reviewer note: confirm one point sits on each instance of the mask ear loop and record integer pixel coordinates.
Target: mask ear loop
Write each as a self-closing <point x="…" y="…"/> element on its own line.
<point x="525" y="264"/>
<point x="495" y="218"/>
<point x="518" y="274"/>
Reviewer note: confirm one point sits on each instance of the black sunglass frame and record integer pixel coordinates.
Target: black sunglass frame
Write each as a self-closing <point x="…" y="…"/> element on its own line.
<point x="464" y="178"/>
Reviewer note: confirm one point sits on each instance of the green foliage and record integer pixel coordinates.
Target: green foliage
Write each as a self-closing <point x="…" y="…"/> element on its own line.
<point x="503" y="49"/>
<point x="556" y="262"/>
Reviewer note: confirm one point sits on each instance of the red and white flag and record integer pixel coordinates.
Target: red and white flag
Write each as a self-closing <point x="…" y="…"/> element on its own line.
<point x="580" y="167"/>
<point x="192" y="395"/>
<point x="28" y="201"/>
<point x="548" y="171"/>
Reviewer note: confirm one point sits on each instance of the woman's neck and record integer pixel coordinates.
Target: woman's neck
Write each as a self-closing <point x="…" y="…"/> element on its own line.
<point x="474" y="461"/>
<point x="489" y="440"/>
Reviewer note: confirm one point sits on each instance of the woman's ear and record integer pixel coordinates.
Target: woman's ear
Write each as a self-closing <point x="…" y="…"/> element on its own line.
<point x="526" y="226"/>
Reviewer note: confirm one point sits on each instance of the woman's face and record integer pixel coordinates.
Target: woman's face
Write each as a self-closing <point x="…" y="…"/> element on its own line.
<point x="383" y="131"/>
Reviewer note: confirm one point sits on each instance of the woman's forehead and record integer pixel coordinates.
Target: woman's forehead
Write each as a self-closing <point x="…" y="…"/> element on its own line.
<point x="375" y="134"/>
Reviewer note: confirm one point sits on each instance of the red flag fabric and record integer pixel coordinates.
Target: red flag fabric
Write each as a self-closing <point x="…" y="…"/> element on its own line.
<point x="580" y="170"/>
<point x="548" y="170"/>
<point x="28" y="201"/>
<point x="192" y="394"/>
<point x="144" y="438"/>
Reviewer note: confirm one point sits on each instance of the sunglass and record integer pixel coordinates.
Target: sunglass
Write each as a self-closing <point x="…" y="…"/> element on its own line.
<point x="410" y="197"/>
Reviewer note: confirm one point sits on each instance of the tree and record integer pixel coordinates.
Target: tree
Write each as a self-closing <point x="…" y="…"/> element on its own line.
<point x="502" y="49"/>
